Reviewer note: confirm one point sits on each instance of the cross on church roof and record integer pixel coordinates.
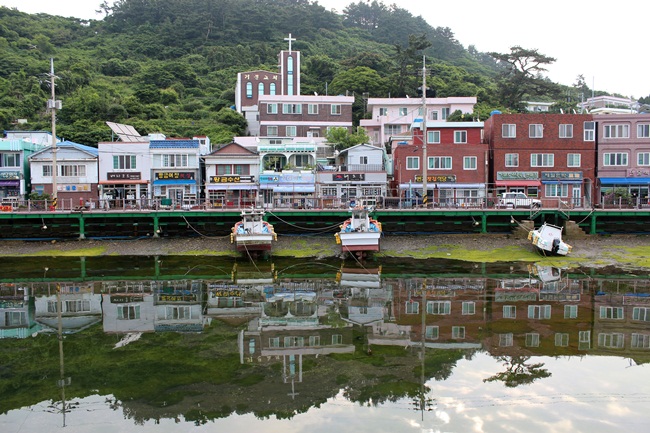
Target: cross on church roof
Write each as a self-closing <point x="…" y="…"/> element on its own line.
<point x="290" y="39"/>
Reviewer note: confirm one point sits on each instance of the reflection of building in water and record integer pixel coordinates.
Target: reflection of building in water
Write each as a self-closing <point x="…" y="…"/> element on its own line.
<point x="622" y="318"/>
<point x="145" y="306"/>
<point x="81" y="307"/>
<point x="128" y="306"/>
<point x="444" y="312"/>
<point x="16" y="311"/>
<point x="366" y="300"/>
<point x="243" y="295"/>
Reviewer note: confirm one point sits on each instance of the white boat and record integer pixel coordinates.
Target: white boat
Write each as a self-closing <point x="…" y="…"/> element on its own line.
<point x="360" y="232"/>
<point x="252" y="233"/>
<point x="548" y="239"/>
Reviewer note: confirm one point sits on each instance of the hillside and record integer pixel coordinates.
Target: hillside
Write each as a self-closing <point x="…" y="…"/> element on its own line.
<point x="170" y="66"/>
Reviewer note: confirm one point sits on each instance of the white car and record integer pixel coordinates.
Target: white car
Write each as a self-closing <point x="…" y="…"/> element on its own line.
<point x="518" y="199"/>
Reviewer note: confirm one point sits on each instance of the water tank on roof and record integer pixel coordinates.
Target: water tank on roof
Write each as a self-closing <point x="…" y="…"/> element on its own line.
<point x="494" y="112"/>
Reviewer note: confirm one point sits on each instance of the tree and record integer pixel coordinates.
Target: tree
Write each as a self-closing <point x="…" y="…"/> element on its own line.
<point x="518" y="371"/>
<point x="341" y="138"/>
<point x="521" y="70"/>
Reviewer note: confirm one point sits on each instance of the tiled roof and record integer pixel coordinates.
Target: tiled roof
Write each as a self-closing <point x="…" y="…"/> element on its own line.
<point x="174" y="144"/>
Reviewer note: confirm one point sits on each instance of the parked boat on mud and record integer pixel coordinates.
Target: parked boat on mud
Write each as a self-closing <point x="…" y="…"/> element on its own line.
<point x="548" y="239"/>
<point x="252" y="233"/>
<point x="360" y="233"/>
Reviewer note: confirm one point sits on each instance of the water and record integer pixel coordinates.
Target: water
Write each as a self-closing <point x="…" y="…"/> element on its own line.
<point x="177" y="344"/>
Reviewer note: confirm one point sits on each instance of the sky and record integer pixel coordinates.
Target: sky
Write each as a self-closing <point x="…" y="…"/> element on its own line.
<point x="601" y="41"/>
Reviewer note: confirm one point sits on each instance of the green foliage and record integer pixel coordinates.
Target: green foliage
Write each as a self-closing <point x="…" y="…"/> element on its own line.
<point x="172" y="64"/>
<point x="341" y="138"/>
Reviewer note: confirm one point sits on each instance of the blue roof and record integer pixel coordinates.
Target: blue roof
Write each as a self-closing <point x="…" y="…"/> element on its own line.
<point x="174" y="144"/>
<point x="82" y="147"/>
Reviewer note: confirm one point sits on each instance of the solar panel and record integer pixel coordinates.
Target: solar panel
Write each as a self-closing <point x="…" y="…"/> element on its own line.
<point x="125" y="132"/>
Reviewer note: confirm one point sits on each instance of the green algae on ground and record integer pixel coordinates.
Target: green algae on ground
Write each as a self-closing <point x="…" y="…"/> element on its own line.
<point x="637" y="256"/>
<point x="81" y="252"/>
<point x="309" y="247"/>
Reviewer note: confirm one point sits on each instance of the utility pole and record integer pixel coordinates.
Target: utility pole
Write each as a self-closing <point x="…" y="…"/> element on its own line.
<point x="62" y="380"/>
<point x="53" y="105"/>
<point x="425" y="163"/>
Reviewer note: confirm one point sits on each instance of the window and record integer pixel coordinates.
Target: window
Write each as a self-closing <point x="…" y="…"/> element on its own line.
<point x="271" y="108"/>
<point x="509" y="312"/>
<point x="363" y="160"/>
<point x="469" y="308"/>
<point x="412" y="162"/>
<point x="643" y="158"/>
<point x="10" y="160"/>
<point x="289" y="75"/>
<point x="403" y="111"/>
<point x="260" y="89"/>
<point x="640" y="341"/>
<point x="561" y="339"/>
<point x="15" y="318"/>
<point x="73" y="170"/>
<point x="314" y="340"/>
<point x="536" y="130"/>
<point x="433" y="137"/>
<point x="291" y="131"/>
<point x="532" y="340"/>
<point x="180" y="160"/>
<point x="412" y="307"/>
<point x="272" y="131"/>
<point x="274" y="342"/>
<point x="460" y="136"/>
<point x="440" y="162"/>
<point x="249" y="90"/>
<point x="589" y="131"/>
<point x="301" y="160"/>
<point x="438" y="307"/>
<point x="445" y="113"/>
<point x="584" y="340"/>
<point x="616" y="131"/>
<point x="508" y="130"/>
<point x="124" y="162"/>
<point x="566" y="130"/>
<point x="556" y="190"/>
<point x="47" y="171"/>
<point x="335" y="109"/>
<point x="457" y="332"/>
<point x="505" y="340"/>
<point x="542" y="160"/>
<point x="337" y="339"/>
<point x="331" y="192"/>
<point x="573" y="160"/>
<point x="642" y="131"/>
<point x="570" y="311"/>
<point x="272" y="89"/>
<point x="392" y="129"/>
<point x="539" y="311"/>
<point x="431" y="332"/>
<point x="433" y="115"/>
<point x="512" y="160"/>
<point x="383" y="111"/>
<point x="642" y="314"/>
<point x="469" y="162"/>
<point x="294" y="341"/>
<point x="291" y="109"/>
<point x="128" y="312"/>
<point x="615" y="158"/>
<point x="177" y="312"/>
<point x="312" y="108"/>
<point x="611" y="312"/>
<point x="614" y="340"/>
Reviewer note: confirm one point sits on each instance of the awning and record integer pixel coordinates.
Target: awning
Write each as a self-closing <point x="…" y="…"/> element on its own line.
<point x="567" y="181"/>
<point x="123" y="182"/>
<point x="624" y="180"/>
<point x="174" y="182"/>
<point x="295" y="188"/>
<point x="518" y="183"/>
<point x="432" y="185"/>
<point x="225" y="186"/>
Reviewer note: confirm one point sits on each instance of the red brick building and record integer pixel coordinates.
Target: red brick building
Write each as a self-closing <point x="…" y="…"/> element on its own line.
<point x="549" y="156"/>
<point x="456" y="171"/>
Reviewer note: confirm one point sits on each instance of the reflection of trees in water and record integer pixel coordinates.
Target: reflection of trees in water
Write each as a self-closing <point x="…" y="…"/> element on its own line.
<point x="518" y="372"/>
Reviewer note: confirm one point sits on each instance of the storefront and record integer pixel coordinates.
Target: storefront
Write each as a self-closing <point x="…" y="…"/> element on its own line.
<point x="566" y="186"/>
<point x="231" y="191"/>
<point x="288" y="189"/>
<point x="9" y="184"/>
<point x="633" y="189"/>
<point x="527" y="182"/>
<point x="178" y="188"/>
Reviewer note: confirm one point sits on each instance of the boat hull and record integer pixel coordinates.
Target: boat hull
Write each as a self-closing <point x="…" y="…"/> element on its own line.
<point x="260" y="242"/>
<point x="353" y="242"/>
<point x="548" y="240"/>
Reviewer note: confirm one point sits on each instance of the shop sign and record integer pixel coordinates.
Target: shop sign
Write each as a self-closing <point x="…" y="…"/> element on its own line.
<point x="517" y="175"/>
<point x="175" y="175"/>
<point x="9" y="175"/>
<point x="449" y="178"/>
<point x="124" y="176"/>
<point x="231" y="179"/>
<point x="561" y="175"/>
<point x="348" y="177"/>
<point x="125" y="299"/>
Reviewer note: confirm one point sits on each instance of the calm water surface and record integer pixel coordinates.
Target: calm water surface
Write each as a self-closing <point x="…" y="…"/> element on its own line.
<point x="177" y="344"/>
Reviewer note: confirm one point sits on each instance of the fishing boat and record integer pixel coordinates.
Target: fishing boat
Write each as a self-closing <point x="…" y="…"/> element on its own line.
<point x="548" y="239"/>
<point x="360" y="233"/>
<point x="252" y="233"/>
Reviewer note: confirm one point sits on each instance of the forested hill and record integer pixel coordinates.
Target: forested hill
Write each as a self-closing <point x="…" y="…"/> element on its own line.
<point x="170" y="65"/>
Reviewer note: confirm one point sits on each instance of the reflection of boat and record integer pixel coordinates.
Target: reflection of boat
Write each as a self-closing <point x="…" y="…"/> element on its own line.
<point x="360" y="232"/>
<point x="252" y="233"/>
<point x="548" y="239"/>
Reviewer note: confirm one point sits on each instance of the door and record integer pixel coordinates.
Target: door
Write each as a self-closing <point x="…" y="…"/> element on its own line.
<point x="576" y="193"/>
<point x="176" y="195"/>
